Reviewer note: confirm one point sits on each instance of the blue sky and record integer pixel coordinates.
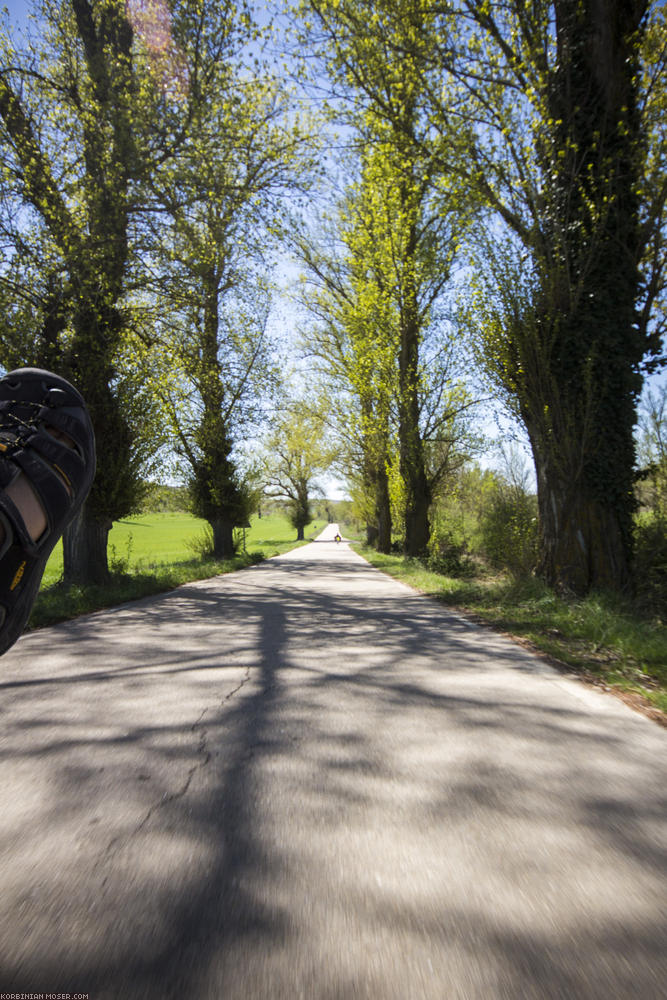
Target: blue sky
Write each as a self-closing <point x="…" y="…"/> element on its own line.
<point x="18" y="10"/>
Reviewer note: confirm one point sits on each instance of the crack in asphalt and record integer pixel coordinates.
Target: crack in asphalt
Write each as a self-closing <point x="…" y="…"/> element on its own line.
<point x="205" y="755"/>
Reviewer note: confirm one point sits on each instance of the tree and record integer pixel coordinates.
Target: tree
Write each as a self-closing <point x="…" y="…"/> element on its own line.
<point x="69" y="137"/>
<point x="217" y="204"/>
<point x="558" y="152"/>
<point x="85" y="116"/>
<point x="222" y="376"/>
<point x="350" y="347"/>
<point x="297" y="453"/>
<point x="406" y="221"/>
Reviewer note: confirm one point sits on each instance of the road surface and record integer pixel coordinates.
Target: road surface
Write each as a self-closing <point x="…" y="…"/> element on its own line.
<point x="304" y="780"/>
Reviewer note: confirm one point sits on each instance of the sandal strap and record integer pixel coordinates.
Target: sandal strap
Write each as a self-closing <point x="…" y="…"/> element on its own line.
<point x="56" y="471"/>
<point x="65" y="460"/>
<point x="26" y="418"/>
<point x="9" y="534"/>
<point x="67" y="423"/>
<point x="8" y="470"/>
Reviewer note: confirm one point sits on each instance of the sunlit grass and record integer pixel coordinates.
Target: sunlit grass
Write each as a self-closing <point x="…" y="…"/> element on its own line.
<point x="151" y="553"/>
<point x="150" y="541"/>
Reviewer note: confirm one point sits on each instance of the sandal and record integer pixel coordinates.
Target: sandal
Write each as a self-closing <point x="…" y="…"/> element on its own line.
<point x="61" y="472"/>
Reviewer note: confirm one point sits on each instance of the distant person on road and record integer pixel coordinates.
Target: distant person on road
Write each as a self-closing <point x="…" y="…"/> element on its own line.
<point x="47" y="466"/>
<point x="337" y="539"/>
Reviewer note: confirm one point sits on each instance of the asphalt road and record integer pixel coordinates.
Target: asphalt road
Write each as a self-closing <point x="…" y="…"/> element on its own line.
<point x="304" y="780"/>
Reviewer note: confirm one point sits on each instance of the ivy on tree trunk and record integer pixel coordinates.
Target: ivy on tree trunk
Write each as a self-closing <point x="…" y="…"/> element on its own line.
<point x="562" y="327"/>
<point x="591" y="346"/>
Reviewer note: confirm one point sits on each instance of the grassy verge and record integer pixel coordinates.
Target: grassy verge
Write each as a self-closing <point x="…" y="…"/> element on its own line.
<point x="601" y="637"/>
<point x="152" y="553"/>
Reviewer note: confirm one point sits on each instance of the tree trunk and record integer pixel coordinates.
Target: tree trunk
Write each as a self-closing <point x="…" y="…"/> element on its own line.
<point x="411" y="447"/>
<point x="413" y="472"/>
<point x="383" y="511"/>
<point x="85" y="549"/>
<point x="585" y="540"/>
<point x="299" y="533"/>
<point x="223" y="538"/>
<point x="417" y="524"/>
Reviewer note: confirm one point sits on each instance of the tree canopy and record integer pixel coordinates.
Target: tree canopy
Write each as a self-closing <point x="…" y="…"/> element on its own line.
<point x="155" y="154"/>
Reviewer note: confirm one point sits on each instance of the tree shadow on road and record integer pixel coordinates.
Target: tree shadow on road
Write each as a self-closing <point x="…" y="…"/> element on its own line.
<point x="320" y="795"/>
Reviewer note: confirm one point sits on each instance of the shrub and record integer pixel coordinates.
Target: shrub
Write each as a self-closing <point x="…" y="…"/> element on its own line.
<point x="651" y="561"/>
<point x="508" y="528"/>
<point x="448" y="547"/>
<point x="202" y="544"/>
<point x="449" y="560"/>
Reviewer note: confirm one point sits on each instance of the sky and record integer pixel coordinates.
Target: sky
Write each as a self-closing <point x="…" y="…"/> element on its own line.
<point x="17" y="10"/>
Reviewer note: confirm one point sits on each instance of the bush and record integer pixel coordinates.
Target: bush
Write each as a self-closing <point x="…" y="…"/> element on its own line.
<point x="202" y="544"/>
<point x="448" y="548"/>
<point x="449" y="561"/>
<point x="651" y="561"/>
<point x="484" y="515"/>
<point x="508" y="528"/>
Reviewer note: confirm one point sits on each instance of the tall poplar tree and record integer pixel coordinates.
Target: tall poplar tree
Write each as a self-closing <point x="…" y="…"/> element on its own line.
<point x="556" y="120"/>
<point x="350" y="346"/>
<point x="377" y="55"/>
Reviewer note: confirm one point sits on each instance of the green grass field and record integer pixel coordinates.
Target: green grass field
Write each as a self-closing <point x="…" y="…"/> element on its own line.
<point x="150" y="553"/>
<point x="147" y="542"/>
